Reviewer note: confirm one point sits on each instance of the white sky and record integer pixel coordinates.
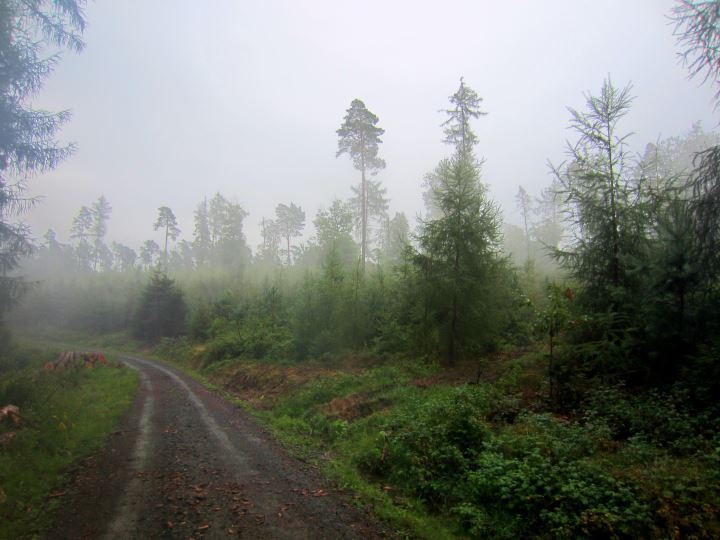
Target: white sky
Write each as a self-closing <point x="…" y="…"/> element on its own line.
<point x="175" y="100"/>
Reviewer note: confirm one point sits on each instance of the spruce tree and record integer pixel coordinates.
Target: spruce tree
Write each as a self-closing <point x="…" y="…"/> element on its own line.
<point x="458" y="258"/>
<point x="161" y="311"/>
<point x="601" y="203"/>
<point x="458" y="247"/>
<point x="31" y="34"/>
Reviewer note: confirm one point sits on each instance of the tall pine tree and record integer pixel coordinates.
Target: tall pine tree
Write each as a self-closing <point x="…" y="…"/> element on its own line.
<point x="359" y="137"/>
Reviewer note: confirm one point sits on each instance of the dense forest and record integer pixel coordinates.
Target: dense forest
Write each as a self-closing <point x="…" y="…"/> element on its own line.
<point x="576" y="357"/>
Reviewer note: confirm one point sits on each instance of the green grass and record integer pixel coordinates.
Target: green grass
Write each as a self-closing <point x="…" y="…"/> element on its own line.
<point x="489" y="460"/>
<point x="305" y="425"/>
<point x="65" y="417"/>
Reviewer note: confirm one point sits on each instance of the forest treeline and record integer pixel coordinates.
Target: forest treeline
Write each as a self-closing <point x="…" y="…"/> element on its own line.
<point x="597" y="414"/>
<point x="612" y="257"/>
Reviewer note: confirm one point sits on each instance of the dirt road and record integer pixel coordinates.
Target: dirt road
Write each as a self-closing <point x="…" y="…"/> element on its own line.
<point x="186" y="463"/>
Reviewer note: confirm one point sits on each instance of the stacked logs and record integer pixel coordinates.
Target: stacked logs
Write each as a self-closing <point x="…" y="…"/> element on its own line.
<point x="9" y="414"/>
<point x="70" y="359"/>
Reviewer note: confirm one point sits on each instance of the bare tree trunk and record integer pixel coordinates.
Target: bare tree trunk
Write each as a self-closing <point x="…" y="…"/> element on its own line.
<point x="454" y="320"/>
<point x="167" y="226"/>
<point x="363" y="200"/>
<point x="613" y="215"/>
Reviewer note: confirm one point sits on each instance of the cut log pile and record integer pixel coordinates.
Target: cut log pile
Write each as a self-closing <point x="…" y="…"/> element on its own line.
<point x="10" y="414"/>
<point x="70" y="359"/>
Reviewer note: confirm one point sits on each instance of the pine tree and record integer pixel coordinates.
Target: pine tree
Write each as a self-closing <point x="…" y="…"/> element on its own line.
<point x="149" y="252"/>
<point x="202" y="243"/>
<point x="125" y="257"/>
<point x="268" y="249"/>
<point x="166" y="220"/>
<point x="225" y="221"/>
<point x="375" y="210"/>
<point x="81" y="231"/>
<point x="289" y="223"/>
<point x="100" y="212"/>
<point x="359" y="137"/>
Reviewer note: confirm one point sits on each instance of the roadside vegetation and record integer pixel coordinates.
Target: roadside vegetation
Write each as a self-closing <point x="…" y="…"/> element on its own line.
<point x="464" y="377"/>
<point x="478" y="450"/>
<point x="65" y="415"/>
<point x="456" y="388"/>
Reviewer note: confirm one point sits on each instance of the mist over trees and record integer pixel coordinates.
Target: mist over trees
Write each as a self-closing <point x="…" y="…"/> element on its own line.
<point x="28" y="143"/>
<point x="577" y="348"/>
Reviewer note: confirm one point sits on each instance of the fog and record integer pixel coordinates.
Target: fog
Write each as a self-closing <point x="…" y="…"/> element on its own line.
<point x="174" y="101"/>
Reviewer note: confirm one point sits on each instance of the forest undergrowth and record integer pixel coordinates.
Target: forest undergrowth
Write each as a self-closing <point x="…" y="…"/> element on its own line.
<point x="480" y="451"/>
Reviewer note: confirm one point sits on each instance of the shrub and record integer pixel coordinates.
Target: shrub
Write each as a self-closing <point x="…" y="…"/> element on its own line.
<point x="432" y="440"/>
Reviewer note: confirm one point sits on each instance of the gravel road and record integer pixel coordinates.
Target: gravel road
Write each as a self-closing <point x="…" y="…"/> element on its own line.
<point x="186" y="463"/>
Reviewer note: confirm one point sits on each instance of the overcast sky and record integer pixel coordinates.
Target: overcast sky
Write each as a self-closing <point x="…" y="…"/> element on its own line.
<point x="175" y="100"/>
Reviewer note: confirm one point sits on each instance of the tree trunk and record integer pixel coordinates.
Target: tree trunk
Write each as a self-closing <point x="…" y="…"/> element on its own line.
<point x="454" y="320"/>
<point x="167" y="226"/>
<point x="615" y="270"/>
<point x="363" y="202"/>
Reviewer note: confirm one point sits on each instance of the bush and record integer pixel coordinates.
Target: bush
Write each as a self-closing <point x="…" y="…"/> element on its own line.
<point x="432" y="440"/>
<point x="658" y="417"/>
<point x="534" y="495"/>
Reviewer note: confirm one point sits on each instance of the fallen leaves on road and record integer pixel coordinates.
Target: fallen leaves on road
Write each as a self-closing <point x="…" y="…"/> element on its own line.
<point x="314" y="493"/>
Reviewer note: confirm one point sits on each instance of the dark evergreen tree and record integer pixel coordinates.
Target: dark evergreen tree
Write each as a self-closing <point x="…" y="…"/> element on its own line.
<point x="161" y="310"/>
<point x="27" y="136"/>
<point x="458" y="260"/>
